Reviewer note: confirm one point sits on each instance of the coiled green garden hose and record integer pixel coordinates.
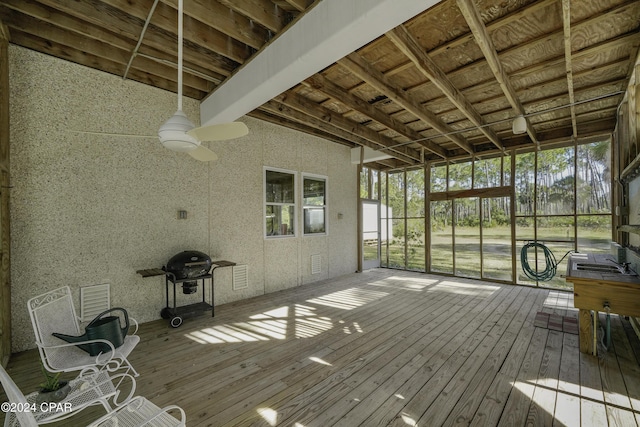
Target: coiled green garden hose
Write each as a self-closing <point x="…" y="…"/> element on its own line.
<point x="551" y="266"/>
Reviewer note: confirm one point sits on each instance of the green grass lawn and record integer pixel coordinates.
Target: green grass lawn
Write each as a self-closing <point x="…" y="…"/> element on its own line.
<point x="496" y="252"/>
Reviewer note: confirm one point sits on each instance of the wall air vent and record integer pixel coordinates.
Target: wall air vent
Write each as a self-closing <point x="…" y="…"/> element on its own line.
<point x="240" y="277"/>
<point x="94" y="300"/>
<point x="316" y="264"/>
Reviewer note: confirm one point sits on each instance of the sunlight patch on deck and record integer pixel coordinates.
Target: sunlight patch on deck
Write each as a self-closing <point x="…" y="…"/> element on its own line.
<point x="461" y="288"/>
<point x="348" y="299"/>
<point x="301" y="320"/>
<point x="269" y="415"/>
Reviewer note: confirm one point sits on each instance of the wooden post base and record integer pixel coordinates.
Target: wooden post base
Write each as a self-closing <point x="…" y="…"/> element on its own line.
<point x="586" y="331"/>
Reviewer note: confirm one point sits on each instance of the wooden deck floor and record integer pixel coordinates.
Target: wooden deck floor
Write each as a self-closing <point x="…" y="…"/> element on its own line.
<point x="384" y="347"/>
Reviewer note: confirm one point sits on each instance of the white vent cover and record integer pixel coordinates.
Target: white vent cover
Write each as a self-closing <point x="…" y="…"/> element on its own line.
<point x="94" y="300"/>
<point x="240" y="277"/>
<point x="316" y="264"/>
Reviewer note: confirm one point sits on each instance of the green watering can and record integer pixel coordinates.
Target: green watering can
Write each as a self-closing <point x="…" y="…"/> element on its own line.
<point x="106" y="328"/>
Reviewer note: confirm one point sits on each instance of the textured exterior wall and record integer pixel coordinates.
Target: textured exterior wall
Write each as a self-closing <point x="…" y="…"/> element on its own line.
<point x="94" y="209"/>
<point x="237" y="231"/>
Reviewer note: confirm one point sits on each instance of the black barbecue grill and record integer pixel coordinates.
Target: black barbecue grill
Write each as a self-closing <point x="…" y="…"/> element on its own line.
<point x="187" y="269"/>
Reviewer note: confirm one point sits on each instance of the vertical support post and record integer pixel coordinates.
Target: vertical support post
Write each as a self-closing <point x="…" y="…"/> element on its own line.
<point x="585" y="331"/>
<point x="5" y="181"/>
<point x="359" y="213"/>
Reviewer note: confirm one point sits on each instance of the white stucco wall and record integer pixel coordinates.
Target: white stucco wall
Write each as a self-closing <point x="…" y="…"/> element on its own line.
<point x="94" y="209"/>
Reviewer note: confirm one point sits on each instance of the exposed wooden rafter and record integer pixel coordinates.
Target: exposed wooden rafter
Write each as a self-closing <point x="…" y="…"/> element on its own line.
<point x="410" y="47"/>
<point x="360" y="67"/>
<point x="425" y="89"/>
<point x="380" y="142"/>
<point x="482" y="38"/>
<point x="261" y="11"/>
<point x="566" y="21"/>
<point x="318" y="82"/>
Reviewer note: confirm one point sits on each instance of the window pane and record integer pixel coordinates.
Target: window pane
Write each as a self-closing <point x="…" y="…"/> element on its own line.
<point x="556" y="177"/>
<point x="496" y="239"/>
<point x="280" y="220"/>
<point x="594" y="178"/>
<point x="279" y="187"/>
<point x="507" y="170"/>
<point x="364" y="183"/>
<point x="386" y="229"/>
<point x="460" y="176"/>
<point x="525" y="233"/>
<point x="397" y="243"/>
<point x="524" y="183"/>
<point x="314" y="220"/>
<point x="415" y="244"/>
<point x="441" y="251"/>
<point x="371" y="231"/>
<point x="487" y="173"/>
<point x="396" y="194"/>
<point x="467" y="237"/>
<point x="374" y="184"/>
<point x="314" y="192"/>
<point x="438" y="179"/>
<point x="415" y="193"/>
<point x="594" y="233"/>
<point x="557" y="234"/>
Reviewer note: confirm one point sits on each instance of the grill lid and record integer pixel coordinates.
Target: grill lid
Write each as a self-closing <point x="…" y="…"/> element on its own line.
<point x="189" y="265"/>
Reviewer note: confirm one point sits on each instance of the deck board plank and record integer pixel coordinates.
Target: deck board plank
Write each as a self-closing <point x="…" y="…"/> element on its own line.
<point x="382" y="347"/>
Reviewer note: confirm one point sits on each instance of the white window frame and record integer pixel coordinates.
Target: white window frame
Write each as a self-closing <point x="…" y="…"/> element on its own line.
<point x="325" y="206"/>
<point x="265" y="203"/>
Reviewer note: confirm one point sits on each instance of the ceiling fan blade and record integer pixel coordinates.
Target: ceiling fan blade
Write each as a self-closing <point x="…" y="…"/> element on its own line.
<point x="203" y="154"/>
<point x="219" y="132"/>
<point x="120" y="135"/>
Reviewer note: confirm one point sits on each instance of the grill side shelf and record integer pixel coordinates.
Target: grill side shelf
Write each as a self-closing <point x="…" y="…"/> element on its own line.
<point x="150" y="272"/>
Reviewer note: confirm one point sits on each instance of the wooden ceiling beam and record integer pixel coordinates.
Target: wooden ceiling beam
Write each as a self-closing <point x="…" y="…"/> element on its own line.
<point x="318" y="82"/>
<point x="409" y="46"/>
<point x="281" y="120"/>
<point x="264" y="12"/>
<point x="566" y="25"/>
<point x="89" y="23"/>
<point x="215" y="15"/>
<point x="536" y="68"/>
<point x="467" y="37"/>
<point x="299" y="5"/>
<point x="296" y="114"/>
<point x="360" y="67"/>
<point x="165" y="18"/>
<point x="481" y="36"/>
<point x="67" y="22"/>
<point x="380" y="142"/>
<point x="98" y="49"/>
<point x="632" y="38"/>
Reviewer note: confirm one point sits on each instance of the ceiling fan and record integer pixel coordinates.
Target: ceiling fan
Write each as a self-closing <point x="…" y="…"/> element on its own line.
<point x="178" y="133"/>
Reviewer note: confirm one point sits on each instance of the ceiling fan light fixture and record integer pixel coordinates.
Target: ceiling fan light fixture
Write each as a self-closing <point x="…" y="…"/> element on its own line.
<point x="519" y="125"/>
<point x="173" y="133"/>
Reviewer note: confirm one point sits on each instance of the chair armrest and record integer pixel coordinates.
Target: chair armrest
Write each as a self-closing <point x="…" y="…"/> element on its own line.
<point x="182" y="420"/>
<point x="100" y="359"/>
<point x="133" y="322"/>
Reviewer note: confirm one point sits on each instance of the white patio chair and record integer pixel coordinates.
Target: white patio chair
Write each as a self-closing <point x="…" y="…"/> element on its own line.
<point x="87" y="390"/>
<point x="17" y="401"/>
<point x="54" y="312"/>
<point x="141" y="412"/>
